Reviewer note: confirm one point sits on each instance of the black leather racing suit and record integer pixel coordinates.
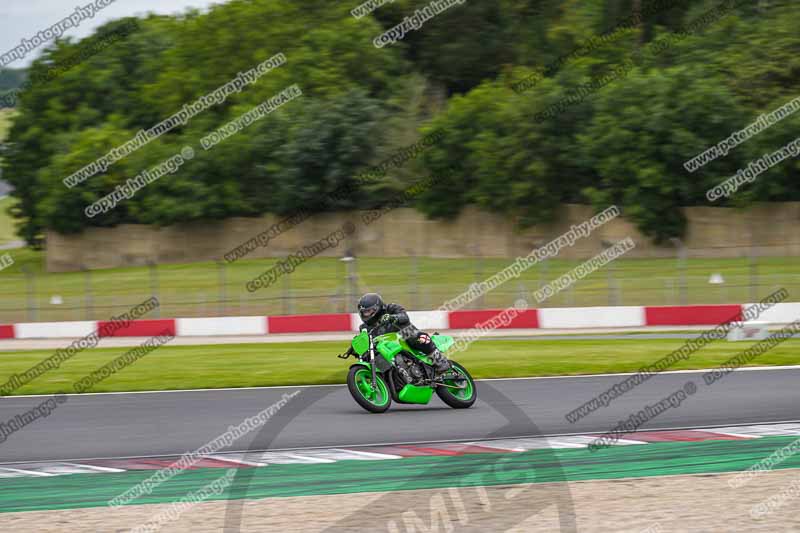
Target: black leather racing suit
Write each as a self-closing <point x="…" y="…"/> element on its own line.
<point x="419" y="340"/>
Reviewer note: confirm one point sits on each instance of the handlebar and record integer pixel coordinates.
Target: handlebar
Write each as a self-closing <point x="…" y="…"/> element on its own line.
<point x="346" y="354"/>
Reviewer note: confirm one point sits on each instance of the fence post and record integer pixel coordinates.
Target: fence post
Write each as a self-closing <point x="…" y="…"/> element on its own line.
<point x="480" y="303"/>
<point x="351" y="286"/>
<point x="681" y="268"/>
<point x="287" y="295"/>
<point x="543" y="269"/>
<point x="414" y="289"/>
<point x="611" y="276"/>
<point x="87" y="289"/>
<point x="30" y="288"/>
<point x="353" y="282"/>
<point x="571" y="295"/>
<point x="154" y="286"/>
<point x="753" y="274"/>
<point x="221" y="280"/>
<point x="201" y="305"/>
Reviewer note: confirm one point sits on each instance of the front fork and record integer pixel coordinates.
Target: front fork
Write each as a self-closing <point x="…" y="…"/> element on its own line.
<point x="372" y="366"/>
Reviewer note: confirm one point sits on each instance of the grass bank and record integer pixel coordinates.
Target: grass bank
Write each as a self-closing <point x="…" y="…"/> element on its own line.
<point x="252" y="365"/>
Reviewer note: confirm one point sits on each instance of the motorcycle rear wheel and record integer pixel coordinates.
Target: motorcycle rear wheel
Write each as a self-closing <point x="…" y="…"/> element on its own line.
<point x="458" y="398"/>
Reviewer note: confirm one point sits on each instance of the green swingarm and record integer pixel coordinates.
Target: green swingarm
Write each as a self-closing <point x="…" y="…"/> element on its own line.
<point x="389" y="369"/>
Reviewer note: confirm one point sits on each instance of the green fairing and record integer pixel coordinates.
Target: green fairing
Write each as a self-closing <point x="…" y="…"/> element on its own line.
<point x="388" y="349"/>
<point x="389" y="337"/>
<point x="361" y="343"/>
<point x="412" y="394"/>
<point x="390" y="344"/>
<point x="443" y="342"/>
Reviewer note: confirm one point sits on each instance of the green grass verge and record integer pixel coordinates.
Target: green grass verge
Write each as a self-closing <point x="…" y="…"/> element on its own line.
<point x="6" y="117"/>
<point x="319" y="285"/>
<point x="248" y="365"/>
<point x="7" y="224"/>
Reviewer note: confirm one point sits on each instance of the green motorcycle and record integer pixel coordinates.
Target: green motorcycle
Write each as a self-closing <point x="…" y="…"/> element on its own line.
<point x="389" y="369"/>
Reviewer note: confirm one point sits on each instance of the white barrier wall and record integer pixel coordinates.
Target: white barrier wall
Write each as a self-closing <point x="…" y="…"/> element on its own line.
<point x="429" y="321"/>
<point x="355" y="321"/>
<point x="591" y="317"/>
<point x="782" y="313"/>
<point x="228" y="325"/>
<point x="54" y="330"/>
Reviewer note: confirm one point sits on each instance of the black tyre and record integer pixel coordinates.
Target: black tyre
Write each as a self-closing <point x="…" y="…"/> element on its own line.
<point x="458" y="398"/>
<point x="359" y="382"/>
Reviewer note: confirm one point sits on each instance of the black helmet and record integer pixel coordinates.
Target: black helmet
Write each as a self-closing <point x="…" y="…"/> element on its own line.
<point x="370" y="306"/>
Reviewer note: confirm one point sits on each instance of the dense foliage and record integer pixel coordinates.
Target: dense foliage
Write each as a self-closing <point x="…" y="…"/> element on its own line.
<point x="10" y="79"/>
<point x="683" y="79"/>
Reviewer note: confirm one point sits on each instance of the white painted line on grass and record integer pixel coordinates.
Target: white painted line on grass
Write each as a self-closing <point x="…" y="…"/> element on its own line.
<point x="29" y="472"/>
<point x="236" y="459"/>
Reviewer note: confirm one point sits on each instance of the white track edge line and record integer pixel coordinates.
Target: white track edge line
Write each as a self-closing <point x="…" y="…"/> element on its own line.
<point x="378" y="444"/>
<point x="95" y="467"/>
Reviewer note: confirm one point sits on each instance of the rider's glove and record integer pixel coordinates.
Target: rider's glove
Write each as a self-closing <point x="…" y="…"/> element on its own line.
<point x="387" y="319"/>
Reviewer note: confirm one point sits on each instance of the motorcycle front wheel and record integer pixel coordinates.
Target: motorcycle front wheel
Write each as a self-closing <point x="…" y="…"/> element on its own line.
<point x="359" y="382"/>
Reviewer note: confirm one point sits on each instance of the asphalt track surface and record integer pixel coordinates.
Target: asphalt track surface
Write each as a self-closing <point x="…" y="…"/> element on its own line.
<point x="172" y="423"/>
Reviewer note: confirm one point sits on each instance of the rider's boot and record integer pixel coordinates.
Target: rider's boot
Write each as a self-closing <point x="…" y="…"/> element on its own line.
<point x="440" y="363"/>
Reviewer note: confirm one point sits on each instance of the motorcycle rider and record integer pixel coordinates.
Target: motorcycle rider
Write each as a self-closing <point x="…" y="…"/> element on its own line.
<point x="381" y="319"/>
